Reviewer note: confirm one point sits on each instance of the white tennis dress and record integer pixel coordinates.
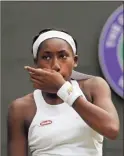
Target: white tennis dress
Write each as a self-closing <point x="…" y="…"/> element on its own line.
<point x="58" y="130"/>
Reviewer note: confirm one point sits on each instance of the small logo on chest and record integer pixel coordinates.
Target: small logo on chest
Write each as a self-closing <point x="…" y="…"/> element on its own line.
<point x="46" y="122"/>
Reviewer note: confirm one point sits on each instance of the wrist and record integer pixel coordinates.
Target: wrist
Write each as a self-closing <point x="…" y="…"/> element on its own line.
<point x="60" y="84"/>
<point x="69" y="93"/>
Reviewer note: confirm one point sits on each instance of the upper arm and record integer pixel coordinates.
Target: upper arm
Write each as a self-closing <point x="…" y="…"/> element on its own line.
<point x="101" y="95"/>
<point x="17" y="140"/>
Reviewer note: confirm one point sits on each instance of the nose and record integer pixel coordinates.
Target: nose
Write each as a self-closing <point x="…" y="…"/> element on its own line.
<point x="55" y="65"/>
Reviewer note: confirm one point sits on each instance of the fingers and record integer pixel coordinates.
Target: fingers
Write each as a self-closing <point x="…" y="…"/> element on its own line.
<point x="36" y="83"/>
<point x="36" y="77"/>
<point x="37" y="71"/>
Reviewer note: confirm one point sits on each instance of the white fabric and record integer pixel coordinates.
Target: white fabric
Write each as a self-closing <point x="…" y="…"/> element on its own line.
<point x="53" y="34"/>
<point x="69" y="93"/>
<point x="65" y="132"/>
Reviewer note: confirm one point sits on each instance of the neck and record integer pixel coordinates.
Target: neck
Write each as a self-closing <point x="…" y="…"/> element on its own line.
<point x="51" y="98"/>
<point x="51" y="95"/>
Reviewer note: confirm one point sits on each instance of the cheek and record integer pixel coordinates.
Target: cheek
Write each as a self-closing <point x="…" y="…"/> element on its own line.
<point x="42" y="64"/>
<point x="67" y="68"/>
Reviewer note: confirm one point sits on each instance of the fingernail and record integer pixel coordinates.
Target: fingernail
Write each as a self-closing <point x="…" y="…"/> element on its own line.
<point x="31" y="73"/>
<point x="25" y="67"/>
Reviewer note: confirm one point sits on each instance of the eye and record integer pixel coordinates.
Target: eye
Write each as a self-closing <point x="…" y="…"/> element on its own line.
<point x="63" y="56"/>
<point x="46" y="57"/>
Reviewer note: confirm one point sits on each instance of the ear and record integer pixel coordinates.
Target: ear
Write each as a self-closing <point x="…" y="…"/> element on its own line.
<point x="75" y="60"/>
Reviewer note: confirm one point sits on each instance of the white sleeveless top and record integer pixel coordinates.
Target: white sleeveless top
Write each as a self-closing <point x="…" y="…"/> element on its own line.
<point x="58" y="130"/>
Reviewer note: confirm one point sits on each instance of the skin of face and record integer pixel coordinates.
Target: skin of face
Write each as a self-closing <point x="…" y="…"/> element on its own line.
<point x="56" y="54"/>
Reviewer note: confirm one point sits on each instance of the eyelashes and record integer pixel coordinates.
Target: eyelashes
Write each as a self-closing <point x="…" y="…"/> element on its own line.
<point x="50" y="57"/>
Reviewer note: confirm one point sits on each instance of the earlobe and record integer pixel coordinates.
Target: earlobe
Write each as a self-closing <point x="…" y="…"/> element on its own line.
<point x="75" y="65"/>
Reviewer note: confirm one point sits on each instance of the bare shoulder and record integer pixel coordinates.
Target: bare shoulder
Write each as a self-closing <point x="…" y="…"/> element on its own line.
<point x="94" y="86"/>
<point x="96" y="80"/>
<point x="22" y="102"/>
<point x="18" y="124"/>
<point x="98" y="85"/>
<point x="21" y="106"/>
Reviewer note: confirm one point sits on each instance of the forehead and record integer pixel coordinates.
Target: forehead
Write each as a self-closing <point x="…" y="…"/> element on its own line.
<point x="56" y="44"/>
